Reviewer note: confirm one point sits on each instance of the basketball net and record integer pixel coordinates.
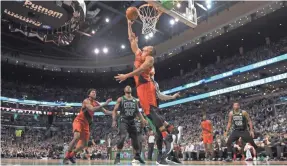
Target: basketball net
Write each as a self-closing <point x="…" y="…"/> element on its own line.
<point x="149" y="16"/>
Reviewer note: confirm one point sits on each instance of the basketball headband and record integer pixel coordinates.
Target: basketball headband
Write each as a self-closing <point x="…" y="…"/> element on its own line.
<point x="90" y="90"/>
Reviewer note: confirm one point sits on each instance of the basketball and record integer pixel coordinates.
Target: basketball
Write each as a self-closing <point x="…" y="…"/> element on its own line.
<point x="132" y="13"/>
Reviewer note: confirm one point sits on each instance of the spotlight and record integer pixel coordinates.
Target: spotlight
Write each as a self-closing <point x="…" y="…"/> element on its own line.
<point x="123" y="46"/>
<point x="171" y="21"/>
<point x="105" y="50"/>
<point x="208" y="6"/>
<point x="107" y="20"/>
<point x="150" y="35"/>
<point x="178" y="5"/>
<point x="146" y="37"/>
<point x="93" y="32"/>
<point x="176" y="20"/>
<point x="97" y="51"/>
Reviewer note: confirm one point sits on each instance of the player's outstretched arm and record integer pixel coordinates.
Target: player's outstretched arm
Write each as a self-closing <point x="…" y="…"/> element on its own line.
<point x="164" y="97"/>
<point x="149" y="61"/>
<point x="132" y="37"/>
<point x="87" y="104"/>
<point x="107" y="112"/>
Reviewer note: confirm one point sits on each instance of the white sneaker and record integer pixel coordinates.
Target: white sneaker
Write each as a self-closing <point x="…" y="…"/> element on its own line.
<point x="135" y="162"/>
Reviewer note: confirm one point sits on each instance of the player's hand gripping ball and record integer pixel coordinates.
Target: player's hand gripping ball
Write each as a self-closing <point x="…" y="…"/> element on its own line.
<point x="132" y="13"/>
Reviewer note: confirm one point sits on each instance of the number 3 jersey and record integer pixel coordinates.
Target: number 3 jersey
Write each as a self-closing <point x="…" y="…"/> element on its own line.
<point x="239" y="120"/>
<point x="128" y="108"/>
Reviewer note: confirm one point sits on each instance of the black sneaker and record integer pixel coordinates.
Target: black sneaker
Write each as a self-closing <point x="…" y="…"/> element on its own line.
<point x="228" y="159"/>
<point x="138" y="158"/>
<point x="65" y="161"/>
<point x="163" y="161"/>
<point x="175" y="160"/>
<point x="158" y="158"/>
<point x="72" y="159"/>
<point x="168" y="145"/>
<point x="117" y="160"/>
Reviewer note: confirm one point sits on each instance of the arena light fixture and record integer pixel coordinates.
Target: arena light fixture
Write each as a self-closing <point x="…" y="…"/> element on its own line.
<point x="105" y="50"/>
<point x="97" y="51"/>
<point x="178" y="5"/>
<point x="107" y="20"/>
<point x="150" y="35"/>
<point x="171" y="21"/>
<point x="93" y="32"/>
<point x="146" y="37"/>
<point x="208" y="4"/>
<point x="123" y="46"/>
<point x="176" y="20"/>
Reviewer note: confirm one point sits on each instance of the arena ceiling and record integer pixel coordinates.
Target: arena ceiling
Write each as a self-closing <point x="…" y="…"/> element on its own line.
<point x="105" y="22"/>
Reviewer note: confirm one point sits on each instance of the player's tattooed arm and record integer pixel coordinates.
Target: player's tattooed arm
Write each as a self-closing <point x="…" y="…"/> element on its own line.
<point x="149" y="61"/>
<point x="229" y="123"/>
<point x="115" y="112"/>
<point x="107" y="112"/>
<point x="164" y="97"/>
<point x="132" y="37"/>
<point x="87" y="104"/>
<point x="249" y="122"/>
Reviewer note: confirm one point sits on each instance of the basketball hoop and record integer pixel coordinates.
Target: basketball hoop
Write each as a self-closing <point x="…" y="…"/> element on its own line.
<point x="149" y="16"/>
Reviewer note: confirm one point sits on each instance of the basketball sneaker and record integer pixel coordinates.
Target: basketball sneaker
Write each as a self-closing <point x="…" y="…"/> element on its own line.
<point x="138" y="158"/>
<point x="159" y="155"/>
<point x="163" y="161"/>
<point x="117" y="159"/>
<point x="169" y="140"/>
<point x="72" y="159"/>
<point x="228" y="159"/>
<point x="173" y="160"/>
<point x="69" y="156"/>
<point x="65" y="161"/>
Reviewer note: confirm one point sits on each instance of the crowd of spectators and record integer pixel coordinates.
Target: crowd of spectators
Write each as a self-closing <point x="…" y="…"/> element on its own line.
<point x="43" y="138"/>
<point x="268" y="114"/>
<point x="54" y="93"/>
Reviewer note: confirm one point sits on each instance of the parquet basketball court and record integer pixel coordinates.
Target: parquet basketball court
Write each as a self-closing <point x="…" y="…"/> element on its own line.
<point x="17" y="162"/>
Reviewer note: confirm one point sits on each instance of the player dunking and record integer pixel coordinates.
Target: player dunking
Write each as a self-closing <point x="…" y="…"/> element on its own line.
<point x="128" y="107"/>
<point x="146" y="90"/>
<point x="239" y="119"/>
<point x="82" y="123"/>
<point x="207" y="135"/>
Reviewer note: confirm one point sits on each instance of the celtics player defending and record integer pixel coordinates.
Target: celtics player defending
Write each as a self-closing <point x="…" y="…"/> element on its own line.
<point x="239" y="119"/>
<point x="128" y="106"/>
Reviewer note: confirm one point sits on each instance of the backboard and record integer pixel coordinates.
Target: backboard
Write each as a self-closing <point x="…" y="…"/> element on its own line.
<point x="184" y="11"/>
